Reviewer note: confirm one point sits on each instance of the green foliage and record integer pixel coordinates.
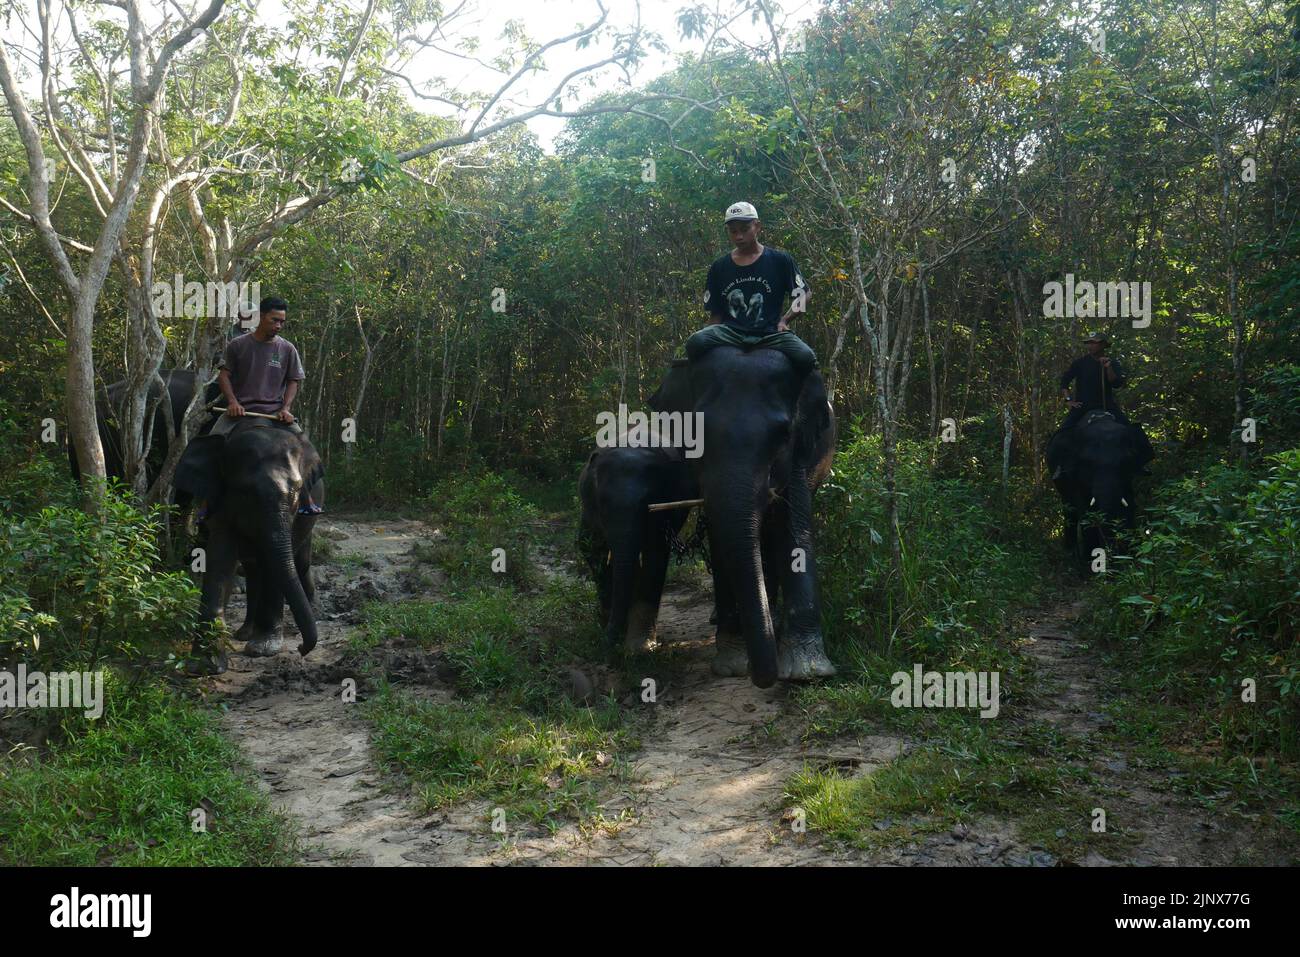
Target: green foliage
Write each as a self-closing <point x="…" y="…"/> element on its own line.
<point x="77" y="589"/>
<point x="122" y="792"/>
<point x="477" y="513"/>
<point x="512" y="735"/>
<point x="936" y="786"/>
<point x="1208" y="600"/>
<point x="964" y="562"/>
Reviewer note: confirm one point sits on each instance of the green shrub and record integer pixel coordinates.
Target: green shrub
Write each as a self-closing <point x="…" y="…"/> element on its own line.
<point x="1208" y="599"/>
<point x="78" y="589"/>
<point x="479" y="513"/>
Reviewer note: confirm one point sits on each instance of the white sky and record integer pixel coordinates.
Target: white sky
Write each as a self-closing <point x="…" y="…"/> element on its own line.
<point x="484" y="20"/>
<point x="546" y="19"/>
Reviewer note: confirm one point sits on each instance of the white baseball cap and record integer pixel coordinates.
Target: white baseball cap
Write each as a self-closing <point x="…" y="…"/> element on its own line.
<point x="741" y="211"/>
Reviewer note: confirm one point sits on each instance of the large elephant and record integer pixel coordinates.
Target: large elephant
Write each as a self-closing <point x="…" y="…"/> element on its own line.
<point x="1093" y="465"/>
<point x="253" y="481"/>
<point x="626" y="545"/>
<point x="769" y="438"/>
<point x="180" y="389"/>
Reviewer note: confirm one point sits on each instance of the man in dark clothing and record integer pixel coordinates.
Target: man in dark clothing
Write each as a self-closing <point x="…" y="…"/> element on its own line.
<point x="745" y="292"/>
<point x="1096" y="376"/>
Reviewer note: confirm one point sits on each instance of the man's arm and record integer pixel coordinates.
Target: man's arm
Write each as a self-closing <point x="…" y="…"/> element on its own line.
<point x="296" y="375"/>
<point x="233" y="408"/>
<point x="290" y="393"/>
<point x="1114" y="374"/>
<point x="712" y="298"/>
<point x="1069" y="376"/>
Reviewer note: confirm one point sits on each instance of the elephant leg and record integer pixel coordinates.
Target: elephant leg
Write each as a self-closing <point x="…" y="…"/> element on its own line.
<point x="731" y="656"/>
<point x="254" y="595"/>
<point x="647" y="591"/>
<point x="207" y="654"/>
<point x="261" y="632"/>
<point x="800" y="653"/>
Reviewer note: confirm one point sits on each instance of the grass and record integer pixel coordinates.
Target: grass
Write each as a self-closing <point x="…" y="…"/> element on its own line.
<point x="545" y="768"/>
<point x="121" y="790"/>
<point x="508" y="731"/>
<point x="970" y="770"/>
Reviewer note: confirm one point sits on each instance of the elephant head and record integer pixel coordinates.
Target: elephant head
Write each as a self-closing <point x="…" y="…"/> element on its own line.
<point x="1097" y="460"/>
<point x="252" y="481"/>
<point x="768" y="440"/>
<point x="624" y="544"/>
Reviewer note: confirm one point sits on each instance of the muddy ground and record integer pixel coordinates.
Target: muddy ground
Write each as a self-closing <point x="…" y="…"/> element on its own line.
<point x="706" y="787"/>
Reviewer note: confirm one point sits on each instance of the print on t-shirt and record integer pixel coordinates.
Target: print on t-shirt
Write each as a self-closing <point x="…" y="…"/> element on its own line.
<point x="750" y="298"/>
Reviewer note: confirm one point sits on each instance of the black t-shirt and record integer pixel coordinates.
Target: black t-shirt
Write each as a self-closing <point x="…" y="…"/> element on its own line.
<point x="751" y="298"/>
<point x="1090" y="385"/>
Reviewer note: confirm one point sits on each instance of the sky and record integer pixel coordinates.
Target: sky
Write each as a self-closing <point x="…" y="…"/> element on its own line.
<point x="545" y="19"/>
<point x="485" y="20"/>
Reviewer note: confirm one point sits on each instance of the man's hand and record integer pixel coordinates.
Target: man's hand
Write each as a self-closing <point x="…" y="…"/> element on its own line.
<point x="234" y="409"/>
<point x="782" y="326"/>
<point x="1074" y="405"/>
<point x="284" y="415"/>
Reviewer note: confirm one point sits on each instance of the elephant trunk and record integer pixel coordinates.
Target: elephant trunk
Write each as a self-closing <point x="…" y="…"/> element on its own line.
<point x="625" y="543"/>
<point x="735" y="519"/>
<point x="284" y="571"/>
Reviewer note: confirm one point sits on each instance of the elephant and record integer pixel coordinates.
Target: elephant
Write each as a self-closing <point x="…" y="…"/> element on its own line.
<point x="252" y="480"/>
<point x="180" y="389"/>
<point x="624" y="544"/>
<point x="768" y="442"/>
<point x="1093" y="465"/>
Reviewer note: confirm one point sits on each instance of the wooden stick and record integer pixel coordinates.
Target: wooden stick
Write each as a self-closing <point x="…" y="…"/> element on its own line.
<point x="684" y="503"/>
<point x="256" y="415"/>
<point x="688" y="502"/>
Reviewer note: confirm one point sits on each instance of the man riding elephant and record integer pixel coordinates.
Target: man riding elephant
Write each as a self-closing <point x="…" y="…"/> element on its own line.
<point x="768" y="442"/>
<point x="1095" y="378"/>
<point x="261" y="372"/>
<point x="745" y="292"/>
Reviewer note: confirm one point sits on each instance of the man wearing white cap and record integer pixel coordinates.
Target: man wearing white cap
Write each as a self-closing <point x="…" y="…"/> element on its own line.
<point x="745" y="293"/>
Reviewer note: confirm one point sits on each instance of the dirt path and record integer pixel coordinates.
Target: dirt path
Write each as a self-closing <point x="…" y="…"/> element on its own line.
<point x="706" y="788"/>
<point x="311" y="750"/>
<point x="1164" y="828"/>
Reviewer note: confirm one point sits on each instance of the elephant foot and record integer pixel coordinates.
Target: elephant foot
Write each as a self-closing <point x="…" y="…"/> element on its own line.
<point x="640" y="629"/>
<point x="640" y="644"/>
<point x="802" y="660"/>
<point x="266" y="647"/>
<point x="731" y="659"/>
<point x="307" y="645"/>
<point x="204" y="666"/>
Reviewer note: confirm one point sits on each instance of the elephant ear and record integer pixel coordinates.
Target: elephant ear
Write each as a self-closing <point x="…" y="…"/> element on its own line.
<point x="313" y="469"/>
<point x="1061" y="452"/>
<point x="199" y="470"/>
<point x="814" y="422"/>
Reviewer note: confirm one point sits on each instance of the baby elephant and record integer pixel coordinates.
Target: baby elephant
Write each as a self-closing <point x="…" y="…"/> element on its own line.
<point x="625" y="544"/>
